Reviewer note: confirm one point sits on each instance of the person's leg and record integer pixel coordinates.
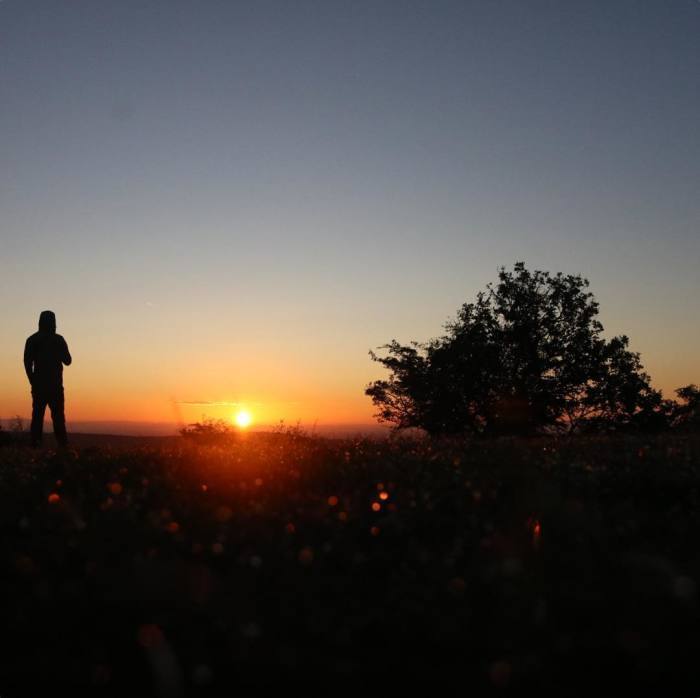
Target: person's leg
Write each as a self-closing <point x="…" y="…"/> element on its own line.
<point x="58" y="416"/>
<point x="38" y="411"/>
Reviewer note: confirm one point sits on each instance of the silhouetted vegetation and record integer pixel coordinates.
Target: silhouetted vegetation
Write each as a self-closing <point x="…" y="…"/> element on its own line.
<point x="208" y="431"/>
<point x="528" y="356"/>
<point x="15" y="434"/>
<point x="278" y="564"/>
<point x="219" y="431"/>
<point x="686" y="414"/>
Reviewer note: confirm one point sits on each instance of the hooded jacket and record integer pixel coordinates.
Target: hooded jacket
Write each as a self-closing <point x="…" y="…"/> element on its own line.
<point x="45" y="353"/>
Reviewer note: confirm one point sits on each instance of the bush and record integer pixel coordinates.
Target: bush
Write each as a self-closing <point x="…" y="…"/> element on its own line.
<point x="208" y="431"/>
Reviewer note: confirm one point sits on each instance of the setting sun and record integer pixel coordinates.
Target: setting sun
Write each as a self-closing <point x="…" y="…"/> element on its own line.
<point x="243" y="418"/>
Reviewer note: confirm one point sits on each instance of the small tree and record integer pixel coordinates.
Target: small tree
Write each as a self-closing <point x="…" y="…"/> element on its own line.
<point x="208" y="431"/>
<point x="687" y="413"/>
<point x="528" y="355"/>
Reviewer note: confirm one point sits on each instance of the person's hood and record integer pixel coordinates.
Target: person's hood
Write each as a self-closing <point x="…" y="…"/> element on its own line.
<point x="47" y="322"/>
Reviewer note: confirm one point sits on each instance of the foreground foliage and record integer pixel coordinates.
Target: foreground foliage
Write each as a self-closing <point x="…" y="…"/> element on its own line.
<point x="281" y="562"/>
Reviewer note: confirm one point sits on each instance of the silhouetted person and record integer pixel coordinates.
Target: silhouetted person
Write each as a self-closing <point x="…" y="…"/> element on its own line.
<point x="44" y="355"/>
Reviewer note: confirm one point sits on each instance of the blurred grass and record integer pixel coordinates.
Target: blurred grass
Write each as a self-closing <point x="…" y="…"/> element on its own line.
<point x="280" y="561"/>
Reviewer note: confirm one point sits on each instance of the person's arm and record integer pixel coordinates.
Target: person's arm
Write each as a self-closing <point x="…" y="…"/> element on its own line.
<point x="29" y="362"/>
<point x="66" y="358"/>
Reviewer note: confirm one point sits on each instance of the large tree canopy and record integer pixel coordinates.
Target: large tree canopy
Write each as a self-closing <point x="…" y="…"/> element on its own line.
<point x="527" y="355"/>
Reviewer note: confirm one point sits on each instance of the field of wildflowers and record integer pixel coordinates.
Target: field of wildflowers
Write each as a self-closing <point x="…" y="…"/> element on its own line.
<point x="249" y="565"/>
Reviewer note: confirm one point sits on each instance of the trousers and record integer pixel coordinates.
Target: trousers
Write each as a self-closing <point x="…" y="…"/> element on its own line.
<point x="51" y="396"/>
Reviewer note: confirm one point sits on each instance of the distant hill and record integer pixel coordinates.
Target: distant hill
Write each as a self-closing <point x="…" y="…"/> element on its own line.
<point x="88" y="439"/>
<point x="132" y="428"/>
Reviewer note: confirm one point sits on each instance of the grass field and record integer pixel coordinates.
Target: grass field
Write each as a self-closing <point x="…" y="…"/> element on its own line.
<point x="275" y="563"/>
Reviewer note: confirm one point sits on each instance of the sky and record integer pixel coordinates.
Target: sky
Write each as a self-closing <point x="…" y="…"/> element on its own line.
<point x="232" y="202"/>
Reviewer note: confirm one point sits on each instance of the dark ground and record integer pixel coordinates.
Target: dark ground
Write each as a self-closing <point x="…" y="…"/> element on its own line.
<point x="278" y="564"/>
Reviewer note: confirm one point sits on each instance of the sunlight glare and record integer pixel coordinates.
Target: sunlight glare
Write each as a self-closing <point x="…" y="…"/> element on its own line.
<point x="243" y="418"/>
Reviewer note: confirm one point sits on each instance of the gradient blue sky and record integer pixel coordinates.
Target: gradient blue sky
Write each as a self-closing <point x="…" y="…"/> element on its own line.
<point x="233" y="201"/>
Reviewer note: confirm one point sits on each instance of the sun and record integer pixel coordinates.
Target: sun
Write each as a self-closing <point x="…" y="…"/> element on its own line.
<point x="243" y="418"/>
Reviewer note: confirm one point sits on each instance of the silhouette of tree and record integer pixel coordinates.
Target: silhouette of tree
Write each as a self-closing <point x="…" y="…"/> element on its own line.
<point x="207" y="431"/>
<point x="687" y="413"/>
<point x="527" y="355"/>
